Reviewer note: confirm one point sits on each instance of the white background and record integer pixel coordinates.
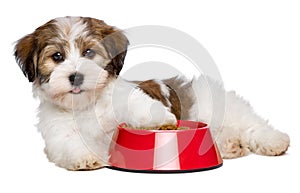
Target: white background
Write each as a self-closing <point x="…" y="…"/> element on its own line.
<point x="256" y="46"/>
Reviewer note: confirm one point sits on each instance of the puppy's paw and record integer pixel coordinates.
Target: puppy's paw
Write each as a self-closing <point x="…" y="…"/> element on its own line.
<point x="272" y="143"/>
<point x="233" y="148"/>
<point x="87" y="162"/>
<point x="168" y="119"/>
<point x="154" y="116"/>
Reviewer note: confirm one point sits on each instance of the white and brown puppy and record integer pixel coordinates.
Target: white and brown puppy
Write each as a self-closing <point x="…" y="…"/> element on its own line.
<point x="74" y="63"/>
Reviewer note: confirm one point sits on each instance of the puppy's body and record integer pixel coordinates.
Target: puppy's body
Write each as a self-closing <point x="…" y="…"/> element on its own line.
<point x="74" y="64"/>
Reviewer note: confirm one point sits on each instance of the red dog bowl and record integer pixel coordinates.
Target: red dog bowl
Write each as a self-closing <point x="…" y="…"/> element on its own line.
<point x="165" y="150"/>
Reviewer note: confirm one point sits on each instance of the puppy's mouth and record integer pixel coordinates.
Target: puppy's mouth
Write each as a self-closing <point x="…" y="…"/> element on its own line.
<point x="76" y="90"/>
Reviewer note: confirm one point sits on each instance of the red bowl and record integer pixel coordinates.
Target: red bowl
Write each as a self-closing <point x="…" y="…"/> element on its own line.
<point x="165" y="150"/>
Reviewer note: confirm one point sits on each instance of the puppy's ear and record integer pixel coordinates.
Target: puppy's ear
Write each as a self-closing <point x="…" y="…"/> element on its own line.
<point x="24" y="54"/>
<point x="115" y="43"/>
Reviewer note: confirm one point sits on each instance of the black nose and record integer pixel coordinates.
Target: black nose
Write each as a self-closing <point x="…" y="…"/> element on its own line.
<point x="76" y="79"/>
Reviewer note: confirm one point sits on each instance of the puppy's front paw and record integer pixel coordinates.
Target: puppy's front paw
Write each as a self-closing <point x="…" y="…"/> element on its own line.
<point x="155" y="116"/>
<point x="233" y="148"/>
<point x="87" y="162"/>
<point x="157" y="121"/>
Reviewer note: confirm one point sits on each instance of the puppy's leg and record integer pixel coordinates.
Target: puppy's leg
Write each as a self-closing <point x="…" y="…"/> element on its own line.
<point x="241" y="129"/>
<point x="264" y="140"/>
<point x="66" y="148"/>
<point x="147" y="112"/>
<point x="260" y="137"/>
<point x="231" y="143"/>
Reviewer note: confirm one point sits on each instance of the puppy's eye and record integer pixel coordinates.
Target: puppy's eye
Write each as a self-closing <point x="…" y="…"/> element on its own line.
<point x="89" y="53"/>
<point x="57" y="57"/>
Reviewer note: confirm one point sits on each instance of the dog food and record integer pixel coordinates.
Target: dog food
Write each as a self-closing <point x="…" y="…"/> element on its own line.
<point x="163" y="127"/>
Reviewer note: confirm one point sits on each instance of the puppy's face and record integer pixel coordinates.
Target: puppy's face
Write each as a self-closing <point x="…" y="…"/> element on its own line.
<point x="70" y="60"/>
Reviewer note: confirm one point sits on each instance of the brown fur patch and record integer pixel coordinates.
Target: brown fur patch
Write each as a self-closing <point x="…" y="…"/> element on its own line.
<point x="36" y="48"/>
<point x="49" y="42"/>
<point x="184" y="92"/>
<point x="113" y="40"/>
<point x="24" y="54"/>
<point x="153" y="89"/>
<point x="84" y="43"/>
<point x="175" y="102"/>
<point x="181" y="95"/>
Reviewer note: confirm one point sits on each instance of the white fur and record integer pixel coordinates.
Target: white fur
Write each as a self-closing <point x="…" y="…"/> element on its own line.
<point x="58" y="88"/>
<point x="76" y="137"/>
<point x="236" y="127"/>
<point x="72" y="27"/>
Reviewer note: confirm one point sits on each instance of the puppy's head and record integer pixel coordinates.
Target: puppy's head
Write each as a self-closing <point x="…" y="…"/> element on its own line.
<point x="70" y="60"/>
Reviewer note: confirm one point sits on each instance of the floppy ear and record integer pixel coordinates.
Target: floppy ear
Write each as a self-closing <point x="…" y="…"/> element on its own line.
<point x="115" y="43"/>
<point x="24" y="54"/>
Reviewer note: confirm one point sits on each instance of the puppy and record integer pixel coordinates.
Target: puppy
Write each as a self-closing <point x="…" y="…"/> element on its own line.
<point x="74" y="63"/>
